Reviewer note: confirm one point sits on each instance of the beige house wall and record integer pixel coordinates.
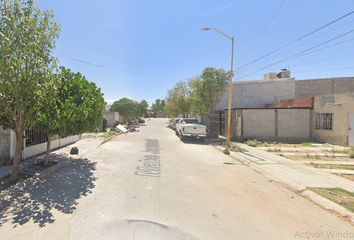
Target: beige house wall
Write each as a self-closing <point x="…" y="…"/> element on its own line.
<point x="112" y="117"/>
<point x="341" y="105"/>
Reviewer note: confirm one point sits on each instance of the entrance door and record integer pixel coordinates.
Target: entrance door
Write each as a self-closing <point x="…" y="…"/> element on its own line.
<point x="351" y="130"/>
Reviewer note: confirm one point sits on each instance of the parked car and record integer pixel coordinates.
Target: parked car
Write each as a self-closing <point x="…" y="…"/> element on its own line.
<point x="141" y="120"/>
<point x="173" y="123"/>
<point x="188" y="127"/>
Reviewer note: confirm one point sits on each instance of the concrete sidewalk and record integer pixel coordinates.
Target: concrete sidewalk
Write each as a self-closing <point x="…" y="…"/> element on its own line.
<point x="60" y="155"/>
<point x="295" y="174"/>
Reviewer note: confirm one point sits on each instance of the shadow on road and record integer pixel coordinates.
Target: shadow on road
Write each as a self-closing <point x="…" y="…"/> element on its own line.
<point x="60" y="191"/>
<point x="194" y="141"/>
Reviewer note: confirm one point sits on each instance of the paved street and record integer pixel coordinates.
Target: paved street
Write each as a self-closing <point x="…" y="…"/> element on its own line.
<point x="150" y="185"/>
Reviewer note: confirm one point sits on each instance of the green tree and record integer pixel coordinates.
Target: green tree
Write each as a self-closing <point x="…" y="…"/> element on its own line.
<point x="178" y="100"/>
<point x="126" y="107"/>
<point x="208" y="90"/>
<point x="74" y="108"/>
<point x="158" y="106"/>
<point x="27" y="38"/>
<point x="104" y="123"/>
<point x="143" y="104"/>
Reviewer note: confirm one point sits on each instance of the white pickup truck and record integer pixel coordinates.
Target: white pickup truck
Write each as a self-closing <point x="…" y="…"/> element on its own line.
<point x="187" y="127"/>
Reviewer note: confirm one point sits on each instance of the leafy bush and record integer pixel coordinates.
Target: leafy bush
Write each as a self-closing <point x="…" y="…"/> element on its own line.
<point x="253" y="143"/>
<point x="104" y="124"/>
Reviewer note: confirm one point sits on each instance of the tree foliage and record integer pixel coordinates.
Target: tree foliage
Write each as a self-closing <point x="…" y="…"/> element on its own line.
<point x="178" y="100"/>
<point x="127" y="108"/>
<point x="74" y="107"/>
<point x="27" y="38"/>
<point x="158" y="105"/>
<point x="143" y="104"/>
<point x="104" y="123"/>
<point x="208" y="90"/>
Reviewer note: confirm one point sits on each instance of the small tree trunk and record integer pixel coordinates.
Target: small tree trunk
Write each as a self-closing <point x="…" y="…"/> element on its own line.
<point x="46" y="161"/>
<point x="17" y="157"/>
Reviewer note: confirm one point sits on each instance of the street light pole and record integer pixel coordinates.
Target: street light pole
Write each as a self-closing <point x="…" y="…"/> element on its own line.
<point x="230" y="94"/>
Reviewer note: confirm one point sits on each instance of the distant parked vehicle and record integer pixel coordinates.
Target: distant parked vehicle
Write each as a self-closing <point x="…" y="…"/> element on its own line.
<point x="173" y="123"/>
<point x="141" y="120"/>
<point x="188" y="127"/>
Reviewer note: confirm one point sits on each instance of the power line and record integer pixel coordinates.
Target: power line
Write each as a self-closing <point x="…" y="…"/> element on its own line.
<point x="329" y="59"/>
<point x="323" y="70"/>
<point x="302" y="64"/>
<point x="303" y="53"/>
<point x="101" y="66"/>
<point x="296" y="40"/>
<point x="261" y="32"/>
<point x="299" y="45"/>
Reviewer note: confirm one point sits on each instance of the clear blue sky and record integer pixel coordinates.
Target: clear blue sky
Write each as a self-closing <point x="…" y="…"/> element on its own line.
<point x="154" y="44"/>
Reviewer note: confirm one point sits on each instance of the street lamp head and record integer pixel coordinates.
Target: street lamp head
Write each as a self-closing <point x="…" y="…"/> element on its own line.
<point x="205" y="29"/>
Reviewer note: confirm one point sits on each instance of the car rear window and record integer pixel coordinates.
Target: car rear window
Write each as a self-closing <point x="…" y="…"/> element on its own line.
<point x="190" y="121"/>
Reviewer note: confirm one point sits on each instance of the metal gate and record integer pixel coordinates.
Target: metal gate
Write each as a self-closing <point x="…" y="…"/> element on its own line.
<point x="219" y="123"/>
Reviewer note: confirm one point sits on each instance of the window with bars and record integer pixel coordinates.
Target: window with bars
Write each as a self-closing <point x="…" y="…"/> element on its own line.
<point x="324" y="121"/>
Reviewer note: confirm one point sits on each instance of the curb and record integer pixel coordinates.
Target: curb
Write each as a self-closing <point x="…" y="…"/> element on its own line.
<point x="310" y="195"/>
<point x="328" y="204"/>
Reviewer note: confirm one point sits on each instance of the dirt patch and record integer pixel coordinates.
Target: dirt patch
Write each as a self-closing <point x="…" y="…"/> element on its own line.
<point x="5" y="182"/>
<point x="337" y="195"/>
<point x="347" y="176"/>
<point x="41" y="164"/>
<point x="7" y="162"/>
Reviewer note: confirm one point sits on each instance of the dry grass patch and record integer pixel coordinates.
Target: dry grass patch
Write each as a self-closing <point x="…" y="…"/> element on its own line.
<point x="332" y="166"/>
<point x="337" y="195"/>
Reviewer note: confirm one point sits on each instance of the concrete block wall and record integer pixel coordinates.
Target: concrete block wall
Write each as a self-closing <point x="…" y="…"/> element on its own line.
<point x="112" y="117"/>
<point x="294" y="123"/>
<point x="286" y="125"/>
<point x="323" y="86"/>
<point x="256" y="94"/>
<point x="258" y="123"/>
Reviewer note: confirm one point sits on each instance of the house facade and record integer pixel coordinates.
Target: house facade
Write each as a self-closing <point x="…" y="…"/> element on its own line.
<point x="280" y="108"/>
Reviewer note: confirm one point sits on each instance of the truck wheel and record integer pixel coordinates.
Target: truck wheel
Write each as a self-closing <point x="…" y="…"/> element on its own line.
<point x="181" y="137"/>
<point x="176" y="132"/>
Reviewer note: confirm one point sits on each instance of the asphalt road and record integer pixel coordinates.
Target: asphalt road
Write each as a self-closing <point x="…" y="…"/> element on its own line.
<point x="150" y="185"/>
